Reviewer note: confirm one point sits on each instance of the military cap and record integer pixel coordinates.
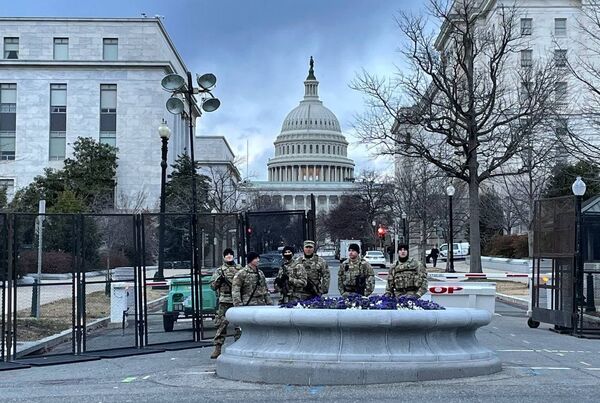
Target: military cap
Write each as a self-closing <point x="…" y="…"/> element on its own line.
<point x="309" y="243"/>
<point x="354" y="247"/>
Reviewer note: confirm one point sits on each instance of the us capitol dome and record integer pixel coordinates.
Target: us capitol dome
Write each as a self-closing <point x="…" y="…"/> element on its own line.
<point x="311" y="155"/>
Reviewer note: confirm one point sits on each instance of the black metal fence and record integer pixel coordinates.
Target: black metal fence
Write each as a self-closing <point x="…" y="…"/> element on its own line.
<point x="564" y="292"/>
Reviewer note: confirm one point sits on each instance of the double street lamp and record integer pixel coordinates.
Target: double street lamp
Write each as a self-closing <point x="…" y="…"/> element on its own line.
<point x="179" y="88"/>
<point x="164" y="132"/>
<point x="450" y="190"/>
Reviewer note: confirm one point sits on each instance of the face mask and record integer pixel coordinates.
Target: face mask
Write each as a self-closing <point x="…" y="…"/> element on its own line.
<point x="288" y="256"/>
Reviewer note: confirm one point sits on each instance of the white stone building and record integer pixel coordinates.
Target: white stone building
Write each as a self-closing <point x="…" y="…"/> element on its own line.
<point x="311" y="156"/>
<point x="63" y="78"/>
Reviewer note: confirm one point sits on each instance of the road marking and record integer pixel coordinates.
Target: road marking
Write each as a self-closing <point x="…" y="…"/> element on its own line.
<point x="526" y="342"/>
<point x="585" y="363"/>
<point x="494" y="327"/>
<point x="146" y="377"/>
<point x="560" y="354"/>
<point x="517" y="351"/>
<point x="593" y="369"/>
<point x="497" y="314"/>
<point x="558" y="368"/>
<point x="512" y="335"/>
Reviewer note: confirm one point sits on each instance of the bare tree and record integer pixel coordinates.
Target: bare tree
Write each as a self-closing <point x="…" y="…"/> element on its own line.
<point x="584" y="66"/>
<point x="224" y="195"/>
<point x="461" y="104"/>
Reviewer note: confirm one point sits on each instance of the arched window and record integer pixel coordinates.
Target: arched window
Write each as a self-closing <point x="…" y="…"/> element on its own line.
<point x="287" y="149"/>
<point x="304" y="148"/>
<point x="328" y="149"/>
<point x="323" y="149"/>
<point x="310" y="149"/>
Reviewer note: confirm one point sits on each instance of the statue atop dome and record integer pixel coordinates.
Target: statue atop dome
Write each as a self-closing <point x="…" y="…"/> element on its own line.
<point x="311" y="70"/>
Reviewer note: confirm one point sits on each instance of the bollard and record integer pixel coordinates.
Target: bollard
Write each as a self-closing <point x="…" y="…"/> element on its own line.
<point x="35" y="295"/>
<point x="590" y="306"/>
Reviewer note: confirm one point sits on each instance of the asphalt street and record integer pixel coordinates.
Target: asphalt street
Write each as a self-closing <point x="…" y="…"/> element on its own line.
<point x="537" y="365"/>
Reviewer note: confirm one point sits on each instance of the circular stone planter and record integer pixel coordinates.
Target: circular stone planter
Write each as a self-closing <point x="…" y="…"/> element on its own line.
<point x="343" y="347"/>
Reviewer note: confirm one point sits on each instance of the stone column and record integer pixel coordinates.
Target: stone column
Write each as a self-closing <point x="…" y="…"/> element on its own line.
<point x="328" y="197"/>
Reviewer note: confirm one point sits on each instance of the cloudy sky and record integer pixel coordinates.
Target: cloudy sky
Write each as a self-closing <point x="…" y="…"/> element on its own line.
<point x="259" y="51"/>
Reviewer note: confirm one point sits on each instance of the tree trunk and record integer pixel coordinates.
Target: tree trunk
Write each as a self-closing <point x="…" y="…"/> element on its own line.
<point x="474" y="235"/>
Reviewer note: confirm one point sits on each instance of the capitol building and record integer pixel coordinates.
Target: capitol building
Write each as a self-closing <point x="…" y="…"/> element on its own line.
<point x="311" y="156"/>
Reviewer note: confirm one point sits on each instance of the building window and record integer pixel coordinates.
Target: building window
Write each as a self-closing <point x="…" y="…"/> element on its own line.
<point x="560" y="27"/>
<point x="526" y="26"/>
<point x="328" y="149"/>
<point x="9" y="186"/>
<point x="11" y="48"/>
<point x="58" y="121"/>
<point x="526" y="58"/>
<point x="304" y="148"/>
<point x="110" y="49"/>
<point x="61" y="48"/>
<point x="560" y="92"/>
<point x="310" y="149"/>
<point x="8" y="121"/>
<point x="525" y="90"/>
<point x="560" y="58"/>
<point x="108" y="114"/>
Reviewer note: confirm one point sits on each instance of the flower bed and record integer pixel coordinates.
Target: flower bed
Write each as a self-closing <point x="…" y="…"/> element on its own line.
<point x="374" y="302"/>
<point x="339" y="342"/>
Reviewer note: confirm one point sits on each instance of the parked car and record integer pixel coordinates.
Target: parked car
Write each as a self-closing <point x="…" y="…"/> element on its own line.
<point x="179" y="301"/>
<point x="375" y="258"/>
<point x="326" y="251"/>
<point x="270" y="263"/>
<point x="461" y="250"/>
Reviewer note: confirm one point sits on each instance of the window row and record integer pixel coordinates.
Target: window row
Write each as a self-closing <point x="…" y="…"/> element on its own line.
<point x="560" y="91"/>
<point x="310" y="149"/>
<point x="560" y="26"/>
<point x="110" y="48"/>
<point x="57" y="117"/>
<point x="559" y="58"/>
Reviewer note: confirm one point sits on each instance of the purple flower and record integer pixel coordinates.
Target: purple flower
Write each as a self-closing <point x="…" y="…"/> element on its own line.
<point x="355" y="301"/>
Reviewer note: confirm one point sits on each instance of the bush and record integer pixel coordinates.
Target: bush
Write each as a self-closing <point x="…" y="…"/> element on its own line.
<point x="509" y="246"/>
<point x="52" y="262"/>
<point x="115" y="259"/>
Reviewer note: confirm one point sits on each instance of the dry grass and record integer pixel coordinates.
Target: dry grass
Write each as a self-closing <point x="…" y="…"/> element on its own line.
<point x="56" y="316"/>
<point x="506" y="287"/>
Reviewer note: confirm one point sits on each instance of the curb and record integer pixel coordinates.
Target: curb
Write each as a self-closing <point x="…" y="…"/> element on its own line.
<point x="521" y="302"/>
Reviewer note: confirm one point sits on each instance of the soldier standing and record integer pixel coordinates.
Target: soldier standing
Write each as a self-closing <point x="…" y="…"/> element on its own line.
<point x="291" y="278"/>
<point x="407" y="277"/>
<point x="356" y="274"/>
<point x="317" y="272"/>
<point x="221" y="282"/>
<point x="249" y="286"/>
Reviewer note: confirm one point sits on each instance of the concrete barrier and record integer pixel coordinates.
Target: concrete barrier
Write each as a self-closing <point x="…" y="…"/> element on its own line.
<point x="463" y="295"/>
<point x="350" y="347"/>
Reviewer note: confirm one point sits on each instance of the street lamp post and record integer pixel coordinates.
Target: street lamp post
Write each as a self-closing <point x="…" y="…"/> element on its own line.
<point x="164" y="133"/>
<point x="176" y="84"/>
<point x="396" y="230"/>
<point x="404" y="235"/>
<point x="578" y="189"/>
<point x="450" y="266"/>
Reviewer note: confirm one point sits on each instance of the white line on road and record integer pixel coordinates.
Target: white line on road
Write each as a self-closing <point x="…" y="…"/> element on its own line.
<point x="593" y="369"/>
<point x="559" y="368"/>
<point x="517" y="351"/>
<point x="585" y="363"/>
<point x="513" y="335"/>
<point x="526" y="342"/>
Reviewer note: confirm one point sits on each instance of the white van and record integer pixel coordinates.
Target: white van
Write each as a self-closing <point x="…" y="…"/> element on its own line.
<point x="461" y="250"/>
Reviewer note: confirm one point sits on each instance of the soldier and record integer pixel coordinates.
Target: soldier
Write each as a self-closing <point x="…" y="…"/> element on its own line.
<point x="249" y="286"/>
<point x="407" y="276"/>
<point x="317" y="272"/>
<point x="356" y="274"/>
<point x="221" y="282"/>
<point x="291" y="278"/>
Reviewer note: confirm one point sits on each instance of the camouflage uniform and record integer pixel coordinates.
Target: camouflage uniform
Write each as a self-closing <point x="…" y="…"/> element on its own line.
<point x="296" y="281"/>
<point x="408" y="278"/>
<point x="223" y="290"/>
<point x="317" y="273"/>
<point x="348" y="273"/>
<point x="247" y="280"/>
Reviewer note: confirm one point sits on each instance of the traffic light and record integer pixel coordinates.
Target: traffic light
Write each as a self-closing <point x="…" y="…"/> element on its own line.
<point x="249" y="231"/>
<point x="381" y="232"/>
